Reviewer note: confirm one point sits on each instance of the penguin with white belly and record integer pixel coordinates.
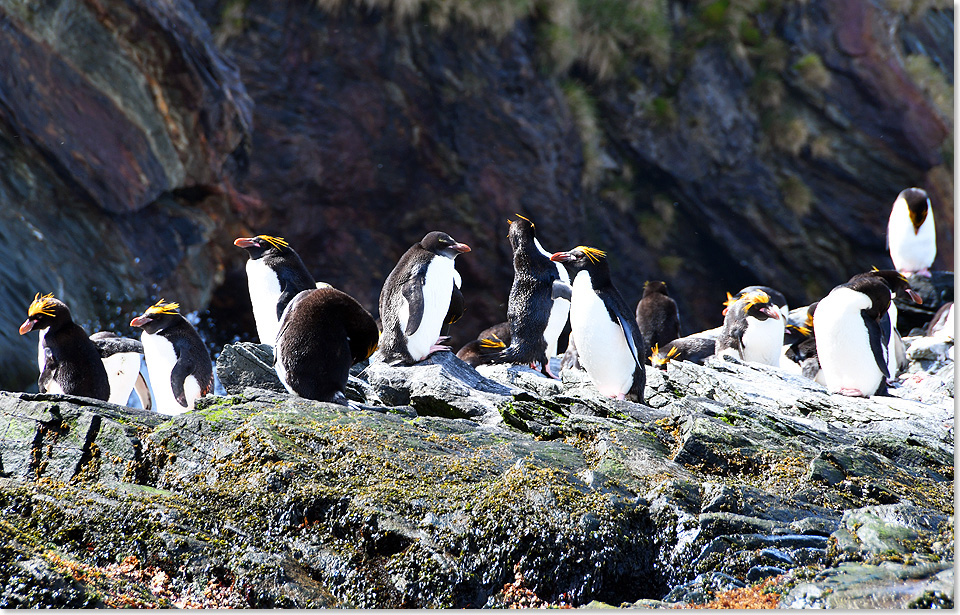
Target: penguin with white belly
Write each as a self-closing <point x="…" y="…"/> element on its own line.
<point x="177" y="361"/>
<point x="849" y="344"/>
<point x="121" y="358"/>
<point x="69" y="362"/>
<point x="752" y="329"/>
<point x="911" y="235"/>
<point x="608" y="340"/>
<point x="275" y="274"/>
<point x="539" y="301"/>
<point x="415" y="300"/>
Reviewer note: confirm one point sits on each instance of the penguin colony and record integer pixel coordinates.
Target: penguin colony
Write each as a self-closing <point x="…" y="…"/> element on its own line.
<point x="848" y="340"/>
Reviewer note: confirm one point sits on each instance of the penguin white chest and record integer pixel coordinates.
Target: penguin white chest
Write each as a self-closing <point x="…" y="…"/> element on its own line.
<point x="600" y="341"/>
<point x="122" y="371"/>
<point x="843" y="343"/>
<point x="437" y="289"/>
<point x="763" y="340"/>
<point x="911" y="249"/>
<point x="264" y="294"/>
<point x="52" y="385"/>
<point x="161" y="359"/>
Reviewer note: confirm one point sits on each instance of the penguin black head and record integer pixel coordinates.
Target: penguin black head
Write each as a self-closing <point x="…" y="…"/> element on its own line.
<point x="522" y="231"/>
<point x="158" y="317"/>
<point x="776" y="297"/>
<point x="582" y="257"/>
<point x="917" y="203"/>
<point x="759" y="305"/>
<point x="263" y="245"/>
<point x="442" y="244"/>
<point x="653" y="287"/>
<point x="45" y="311"/>
<point x="894" y="280"/>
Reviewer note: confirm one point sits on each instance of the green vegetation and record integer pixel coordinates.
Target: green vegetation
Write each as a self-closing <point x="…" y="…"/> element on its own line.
<point x="812" y="71"/>
<point x="932" y="82"/>
<point x="584" y="112"/>
<point x="796" y="195"/>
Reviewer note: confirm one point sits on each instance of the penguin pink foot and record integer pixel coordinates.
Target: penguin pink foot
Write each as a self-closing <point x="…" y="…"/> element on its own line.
<point x="851" y="392"/>
<point x="440" y="345"/>
<point x="923" y="273"/>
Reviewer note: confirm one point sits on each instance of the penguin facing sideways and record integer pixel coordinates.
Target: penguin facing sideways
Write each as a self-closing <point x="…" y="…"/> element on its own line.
<point x="657" y="315"/>
<point x="911" y="235"/>
<point x="539" y="300"/>
<point x="322" y="333"/>
<point x="275" y="274"/>
<point x="692" y="348"/>
<point x="178" y="362"/>
<point x="608" y="340"/>
<point x="68" y="360"/>
<point x="752" y="330"/>
<point x="121" y="358"/>
<point x="487" y="347"/>
<point x="776" y="297"/>
<point x="849" y="344"/>
<point x="415" y="300"/>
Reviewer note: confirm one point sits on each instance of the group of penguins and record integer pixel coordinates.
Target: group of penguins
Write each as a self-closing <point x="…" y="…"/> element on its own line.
<point x="847" y="342"/>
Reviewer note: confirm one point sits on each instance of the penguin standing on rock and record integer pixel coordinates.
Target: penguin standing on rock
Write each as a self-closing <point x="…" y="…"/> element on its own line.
<point x="69" y="361"/>
<point x="693" y="348"/>
<point x="849" y="344"/>
<point x="752" y="329"/>
<point x="657" y="315"/>
<point x="178" y="362"/>
<point x="608" y="340"/>
<point x="275" y="274"/>
<point x="415" y="300"/>
<point x="121" y="358"/>
<point x="322" y="333"/>
<point x="911" y="235"/>
<point x="539" y="300"/>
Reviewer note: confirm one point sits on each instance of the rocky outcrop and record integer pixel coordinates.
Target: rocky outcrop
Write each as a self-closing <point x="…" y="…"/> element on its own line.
<point x="444" y="487"/>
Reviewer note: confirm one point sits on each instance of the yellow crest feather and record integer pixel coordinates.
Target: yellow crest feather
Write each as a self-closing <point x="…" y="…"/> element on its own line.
<point x="592" y="253"/>
<point x="41" y="305"/>
<point x="277" y="242"/>
<point x="730" y="300"/>
<point x="162" y="307"/>
<point x="527" y="219"/>
<point x="496" y="342"/>
<point x="755" y="298"/>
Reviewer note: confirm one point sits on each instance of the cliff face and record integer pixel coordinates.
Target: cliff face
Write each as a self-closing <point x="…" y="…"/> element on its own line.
<point x="710" y="145"/>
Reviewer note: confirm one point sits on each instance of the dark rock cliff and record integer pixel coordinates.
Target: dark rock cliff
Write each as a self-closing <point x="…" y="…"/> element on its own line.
<point x="713" y="145"/>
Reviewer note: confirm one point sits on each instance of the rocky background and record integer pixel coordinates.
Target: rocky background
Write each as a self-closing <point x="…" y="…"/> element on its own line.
<point x="710" y="144"/>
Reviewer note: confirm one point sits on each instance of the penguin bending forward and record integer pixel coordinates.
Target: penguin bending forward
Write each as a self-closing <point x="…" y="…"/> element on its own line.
<point x="275" y="274"/>
<point x="539" y="300"/>
<point x="322" y="333"/>
<point x="121" y="358"/>
<point x="911" y="235"/>
<point x="657" y="315"/>
<point x="69" y="361"/>
<point x="415" y="300"/>
<point x="752" y="329"/>
<point x="849" y="344"/>
<point x="487" y="347"/>
<point x="608" y="340"/>
<point x="693" y="348"/>
<point x="776" y="298"/>
<point x="178" y="362"/>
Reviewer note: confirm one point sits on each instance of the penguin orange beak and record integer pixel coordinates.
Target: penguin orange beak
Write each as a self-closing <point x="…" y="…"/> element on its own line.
<point x="913" y="295"/>
<point x="139" y="321"/>
<point x="26" y="327"/>
<point x="245" y="242"/>
<point x="771" y="312"/>
<point x="462" y="248"/>
<point x="562" y="257"/>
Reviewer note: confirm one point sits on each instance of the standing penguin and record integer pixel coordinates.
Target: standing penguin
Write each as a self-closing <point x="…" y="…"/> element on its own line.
<point x="275" y="274"/>
<point x="178" y="362"/>
<point x="752" y="329"/>
<point x="415" y="299"/>
<point x="849" y="344"/>
<point x="322" y="333"/>
<point x="657" y="315"/>
<point x="608" y="340"/>
<point x="121" y="358"/>
<point x="911" y="236"/>
<point x="539" y="300"/>
<point x="69" y="362"/>
<point x="776" y="298"/>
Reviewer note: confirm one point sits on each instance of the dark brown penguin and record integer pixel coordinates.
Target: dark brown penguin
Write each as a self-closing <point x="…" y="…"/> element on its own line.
<point x="657" y="315"/>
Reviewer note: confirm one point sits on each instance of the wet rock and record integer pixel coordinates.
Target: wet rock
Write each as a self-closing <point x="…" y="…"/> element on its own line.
<point x="887" y="586"/>
<point x="246" y="364"/>
<point x="704" y="588"/>
<point x="901" y="528"/>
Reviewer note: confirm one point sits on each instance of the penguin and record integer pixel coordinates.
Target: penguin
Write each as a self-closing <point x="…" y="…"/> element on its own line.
<point x="177" y="361"/>
<point x="487" y="347"/>
<point x="322" y="333"/>
<point x="539" y="301"/>
<point x="800" y="348"/>
<point x="693" y="348"/>
<point x="776" y="297"/>
<point x="415" y="300"/>
<point x="911" y="235"/>
<point x="894" y="348"/>
<point x="275" y="274"/>
<point x="941" y="326"/>
<point x="608" y="340"/>
<point x="457" y="305"/>
<point x="121" y="358"/>
<point x="68" y="360"/>
<point x="752" y="329"/>
<point x="657" y="315"/>
<point x="849" y="345"/>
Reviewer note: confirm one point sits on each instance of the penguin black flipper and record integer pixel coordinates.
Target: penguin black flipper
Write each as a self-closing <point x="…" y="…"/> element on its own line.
<point x="412" y="291"/>
<point x="618" y="311"/>
<point x="455" y="311"/>
<point x="561" y="290"/>
<point x="49" y="370"/>
<point x="876" y="345"/>
<point x="143" y="392"/>
<point x="177" y="377"/>
<point x="732" y="337"/>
